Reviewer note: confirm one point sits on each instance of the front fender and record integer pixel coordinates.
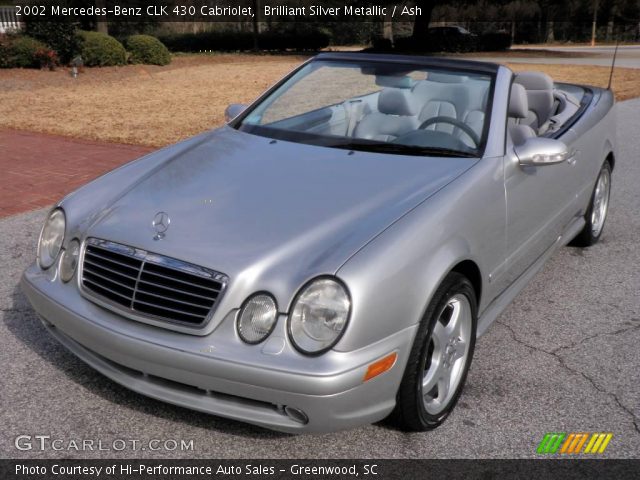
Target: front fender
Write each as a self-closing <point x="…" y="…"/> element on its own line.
<point x="393" y="278"/>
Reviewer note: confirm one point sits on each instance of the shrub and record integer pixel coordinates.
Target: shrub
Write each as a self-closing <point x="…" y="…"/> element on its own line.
<point x="60" y="35"/>
<point x="101" y="50"/>
<point x="20" y="51"/>
<point x="147" y="49"/>
<point x="46" y="58"/>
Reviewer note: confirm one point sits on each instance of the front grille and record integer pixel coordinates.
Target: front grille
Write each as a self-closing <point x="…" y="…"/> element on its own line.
<point x="147" y="285"/>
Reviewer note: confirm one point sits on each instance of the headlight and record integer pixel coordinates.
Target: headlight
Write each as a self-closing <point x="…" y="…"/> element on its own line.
<point x="51" y="239"/>
<point x="69" y="261"/>
<point x="319" y="316"/>
<point x="257" y="318"/>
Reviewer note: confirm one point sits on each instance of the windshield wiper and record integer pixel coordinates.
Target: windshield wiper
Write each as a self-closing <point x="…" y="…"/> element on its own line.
<point x="396" y="148"/>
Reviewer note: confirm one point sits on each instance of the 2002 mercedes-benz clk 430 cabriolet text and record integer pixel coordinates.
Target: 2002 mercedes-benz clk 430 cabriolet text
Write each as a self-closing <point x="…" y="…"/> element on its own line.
<point x="329" y="256"/>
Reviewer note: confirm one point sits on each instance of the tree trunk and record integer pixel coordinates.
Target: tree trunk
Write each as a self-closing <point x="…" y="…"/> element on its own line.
<point x="256" y="24"/>
<point x="421" y="22"/>
<point x="610" y="30"/>
<point x="387" y="25"/>
<point x="550" y="36"/>
<point x="101" y="23"/>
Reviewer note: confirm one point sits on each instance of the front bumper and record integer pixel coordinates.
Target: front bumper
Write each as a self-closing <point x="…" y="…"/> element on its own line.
<point x="218" y="373"/>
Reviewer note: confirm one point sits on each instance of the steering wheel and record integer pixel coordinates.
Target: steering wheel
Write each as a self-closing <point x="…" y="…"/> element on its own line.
<point x="456" y="123"/>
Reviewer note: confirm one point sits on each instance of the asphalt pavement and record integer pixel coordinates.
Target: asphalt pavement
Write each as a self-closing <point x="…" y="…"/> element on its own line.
<point x="564" y="357"/>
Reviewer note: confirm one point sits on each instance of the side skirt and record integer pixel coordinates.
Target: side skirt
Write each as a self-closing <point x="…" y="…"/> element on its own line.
<point x="501" y="302"/>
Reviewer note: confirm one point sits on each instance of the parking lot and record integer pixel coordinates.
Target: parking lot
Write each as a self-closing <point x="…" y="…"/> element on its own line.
<point x="564" y="357"/>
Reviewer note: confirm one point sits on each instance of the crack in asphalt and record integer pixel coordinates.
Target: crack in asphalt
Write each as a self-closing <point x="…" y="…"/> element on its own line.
<point x="554" y="353"/>
<point x="590" y="337"/>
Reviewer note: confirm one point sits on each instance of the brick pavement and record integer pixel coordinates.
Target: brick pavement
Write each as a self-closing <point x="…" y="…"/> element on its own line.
<point x="37" y="169"/>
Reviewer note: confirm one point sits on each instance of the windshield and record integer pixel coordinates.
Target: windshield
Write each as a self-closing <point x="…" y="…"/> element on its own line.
<point x="376" y="106"/>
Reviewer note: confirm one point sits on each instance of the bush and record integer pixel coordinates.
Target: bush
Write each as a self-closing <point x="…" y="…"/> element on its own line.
<point x="101" y="50"/>
<point x="20" y="51"/>
<point x="60" y="35"/>
<point x="495" y="41"/>
<point x="147" y="49"/>
<point x="229" y="41"/>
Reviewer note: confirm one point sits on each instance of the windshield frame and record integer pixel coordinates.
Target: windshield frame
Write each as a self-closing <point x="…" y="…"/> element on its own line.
<point x="360" y="60"/>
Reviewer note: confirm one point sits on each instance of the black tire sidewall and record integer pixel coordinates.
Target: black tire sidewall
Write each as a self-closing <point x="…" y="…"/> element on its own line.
<point x="410" y="403"/>
<point x="586" y="238"/>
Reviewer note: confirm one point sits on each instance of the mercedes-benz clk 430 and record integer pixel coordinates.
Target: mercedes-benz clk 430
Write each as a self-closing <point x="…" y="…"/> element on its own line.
<point x="328" y="257"/>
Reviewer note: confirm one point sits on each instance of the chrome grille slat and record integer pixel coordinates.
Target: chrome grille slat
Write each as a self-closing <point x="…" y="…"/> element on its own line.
<point x="214" y="290"/>
<point x="95" y="265"/>
<point x="110" y="280"/>
<point x="144" y="282"/>
<point x="177" y="290"/>
<point x="206" y="307"/>
<point x="122" y="258"/>
<point x="93" y="254"/>
<point x="159" y="307"/>
<point x="149" y="287"/>
<point x="108" y="289"/>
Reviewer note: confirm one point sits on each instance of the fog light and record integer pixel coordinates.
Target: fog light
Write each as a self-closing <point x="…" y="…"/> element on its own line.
<point x="257" y="318"/>
<point x="296" y="414"/>
<point x="69" y="260"/>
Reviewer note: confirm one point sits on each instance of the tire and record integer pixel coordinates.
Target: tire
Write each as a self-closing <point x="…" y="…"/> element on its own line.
<point x="435" y="352"/>
<point x="596" y="214"/>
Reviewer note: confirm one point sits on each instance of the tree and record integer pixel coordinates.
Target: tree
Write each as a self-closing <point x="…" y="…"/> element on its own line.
<point x="421" y="22"/>
<point x="101" y="22"/>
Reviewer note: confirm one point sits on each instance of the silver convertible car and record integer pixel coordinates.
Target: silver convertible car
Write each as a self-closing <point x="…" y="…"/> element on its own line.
<point x="328" y="257"/>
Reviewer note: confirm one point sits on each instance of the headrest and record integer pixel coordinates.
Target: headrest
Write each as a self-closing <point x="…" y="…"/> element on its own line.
<point x="394" y="81"/>
<point x="539" y="87"/>
<point x="446" y="77"/>
<point x="534" y="80"/>
<point x="396" y="101"/>
<point x="518" y="103"/>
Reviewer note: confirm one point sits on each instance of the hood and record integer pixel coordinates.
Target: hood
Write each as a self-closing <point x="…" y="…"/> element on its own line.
<point x="251" y="207"/>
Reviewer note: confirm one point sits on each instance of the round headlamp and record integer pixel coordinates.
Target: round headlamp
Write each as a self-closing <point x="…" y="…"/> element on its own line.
<point x="69" y="260"/>
<point x="51" y="238"/>
<point x="257" y="318"/>
<point x="319" y="316"/>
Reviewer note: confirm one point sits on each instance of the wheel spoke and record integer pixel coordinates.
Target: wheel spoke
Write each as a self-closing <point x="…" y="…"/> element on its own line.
<point x="440" y="335"/>
<point x="446" y="354"/>
<point x="432" y="376"/>
<point x="461" y="348"/>
<point x="443" y="388"/>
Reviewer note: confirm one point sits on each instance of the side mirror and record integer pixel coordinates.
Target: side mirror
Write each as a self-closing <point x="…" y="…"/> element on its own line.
<point x="233" y="110"/>
<point x="541" y="151"/>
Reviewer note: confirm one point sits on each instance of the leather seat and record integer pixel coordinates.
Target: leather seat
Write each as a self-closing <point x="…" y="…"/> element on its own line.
<point x="455" y="96"/>
<point x="539" y="89"/>
<point x="517" y="111"/>
<point x="396" y="115"/>
<point x="442" y="95"/>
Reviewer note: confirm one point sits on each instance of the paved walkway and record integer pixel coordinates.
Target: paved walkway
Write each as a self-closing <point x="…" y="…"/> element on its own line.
<point x="37" y="169"/>
<point x="602" y="56"/>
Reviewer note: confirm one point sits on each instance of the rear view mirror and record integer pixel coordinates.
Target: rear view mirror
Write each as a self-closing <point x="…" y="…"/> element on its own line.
<point x="233" y="110"/>
<point x="541" y="151"/>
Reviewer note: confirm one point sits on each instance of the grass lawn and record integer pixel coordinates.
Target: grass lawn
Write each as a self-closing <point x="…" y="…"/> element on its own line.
<point x="155" y="106"/>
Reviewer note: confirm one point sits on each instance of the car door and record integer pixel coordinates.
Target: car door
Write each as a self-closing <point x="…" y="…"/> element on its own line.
<point x="540" y="204"/>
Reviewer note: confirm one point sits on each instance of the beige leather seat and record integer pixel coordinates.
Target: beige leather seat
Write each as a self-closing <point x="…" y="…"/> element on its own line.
<point x="539" y="89"/>
<point x="517" y="111"/>
<point x="396" y="115"/>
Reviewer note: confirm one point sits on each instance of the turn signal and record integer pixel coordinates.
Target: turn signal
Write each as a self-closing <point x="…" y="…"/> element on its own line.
<point x="380" y="366"/>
